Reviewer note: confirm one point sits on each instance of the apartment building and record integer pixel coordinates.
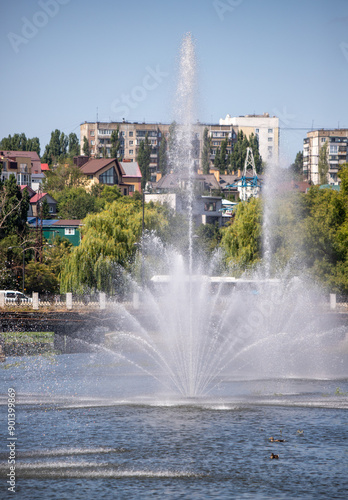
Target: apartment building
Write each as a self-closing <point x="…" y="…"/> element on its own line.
<point x="23" y="164"/>
<point x="217" y="134"/>
<point x="265" y="127"/>
<point x="337" y="140"/>
<point x="130" y="134"/>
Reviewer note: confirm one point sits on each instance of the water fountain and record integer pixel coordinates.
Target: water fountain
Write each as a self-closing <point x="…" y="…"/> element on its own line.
<point x="182" y="399"/>
<point x="195" y="340"/>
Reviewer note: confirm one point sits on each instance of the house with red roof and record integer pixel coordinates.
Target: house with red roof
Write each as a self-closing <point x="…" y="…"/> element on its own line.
<point x="35" y="203"/>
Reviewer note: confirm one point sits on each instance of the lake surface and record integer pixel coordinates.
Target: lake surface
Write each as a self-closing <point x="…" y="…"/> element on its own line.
<point x="86" y="429"/>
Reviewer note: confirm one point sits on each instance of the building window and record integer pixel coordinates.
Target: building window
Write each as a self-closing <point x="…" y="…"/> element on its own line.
<point x="323" y="139"/>
<point x="130" y="134"/>
<point x="257" y="130"/>
<point x="125" y="191"/>
<point x="50" y="209"/>
<point x="131" y="188"/>
<point x="69" y="231"/>
<point x="333" y="149"/>
<point x="210" y="206"/>
<point x="92" y="132"/>
<point x="92" y="143"/>
<point x="109" y="177"/>
<point x="270" y="139"/>
<point x="131" y="143"/>
<point x="270" y="130"/>
<point x="131" y="151"/>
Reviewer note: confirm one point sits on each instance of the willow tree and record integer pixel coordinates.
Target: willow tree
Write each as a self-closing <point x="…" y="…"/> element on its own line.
<point x="242" y="239"/>
<point x="108" y="245"/>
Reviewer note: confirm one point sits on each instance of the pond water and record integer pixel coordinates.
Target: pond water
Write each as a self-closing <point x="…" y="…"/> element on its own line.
<point x="86" y="430"/>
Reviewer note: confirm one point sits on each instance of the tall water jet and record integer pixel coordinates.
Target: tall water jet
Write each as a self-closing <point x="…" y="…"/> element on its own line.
<point x="197" y="335"/>
<point x="182" y="160"/>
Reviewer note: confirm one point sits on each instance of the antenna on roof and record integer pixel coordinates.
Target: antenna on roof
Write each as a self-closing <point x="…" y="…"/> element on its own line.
<point x="97" y="113"/>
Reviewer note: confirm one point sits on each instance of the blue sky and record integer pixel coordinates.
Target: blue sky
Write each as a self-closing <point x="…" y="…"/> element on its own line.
<point x="65" y="60"/>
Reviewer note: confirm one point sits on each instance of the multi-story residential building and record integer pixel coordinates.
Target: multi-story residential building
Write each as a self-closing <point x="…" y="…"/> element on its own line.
<point x="217" y="134"/>
<point x="98" y="135"/>
<point x="337" y="141"/>
<point x="130" y="135"/>
<point x="264" y="126"/>
<point x="23" y="164"/>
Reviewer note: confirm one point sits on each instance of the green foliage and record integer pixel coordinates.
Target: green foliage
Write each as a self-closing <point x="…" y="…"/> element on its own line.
<point x="73" y="145"/>
<point x="221" y="159"/>
<point x="9" y="278"/>
<point x="242" y="239"/>
<point x="108" y="242"/>
<point x="44" y="209"/>
<point x="85" y="147"/>
<point x="143" y="159"/>
<point x="115" y="143"/>
<point x="75" y="203"/>
<point x="56" y="149"/>
<point x="163" y="159"/>
<point x="343" y="175"/>
<point x="209" y="237"/>
<point x="323" y="164"/>
<point x="206" y="151"/>
<point x="238" y="155"/>
<point x="296" y="168"/>
<point x="325" y="236"/>
<point x="19" y="142"/>
<point x="14" y="205"/>
<point x="40" y="278"/>
<point x="66" y="175"/>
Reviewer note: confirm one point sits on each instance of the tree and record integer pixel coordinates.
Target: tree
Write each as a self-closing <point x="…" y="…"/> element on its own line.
<point x="163" y="157"/>
<point x="57" y="147"/>
<point x="343" y="175"/>
<point x="64" y="176"/>
<point x="206" y="151"/>
<point x="325" y="234"/>
<point x="75" y="203"/>
<point x="44" y="209"/>
<point x="19" y="142"/>
<point x="296" y="168"/>
<point x="14" y="205"/>
<point x="40" y="278"/>
<point x="220" y="160"/>
<point x="85" y="147"/>
<point x="223" y="156"/>
<point x="73" y="145"/>
<point x="323" y="164"/>
<point x="217" y="159"/>
<point x="143" y="159"/>
<point x="109" y="242"/>
<point x="172" y="145"/>
<point x="242" y="239"/>
<point x="115" y="143"/>
<point x="238" y="155"/>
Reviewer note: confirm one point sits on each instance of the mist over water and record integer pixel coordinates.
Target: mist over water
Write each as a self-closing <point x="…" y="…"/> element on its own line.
<point x="195" y="335"/>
